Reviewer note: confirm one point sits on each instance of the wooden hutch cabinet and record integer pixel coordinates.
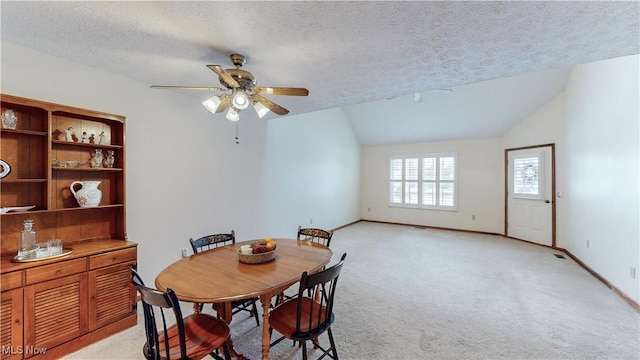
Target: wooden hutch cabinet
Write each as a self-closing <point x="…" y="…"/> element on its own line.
<point x="55" y="305"/>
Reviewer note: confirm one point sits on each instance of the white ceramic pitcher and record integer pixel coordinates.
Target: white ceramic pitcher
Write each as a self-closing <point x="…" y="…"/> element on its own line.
<point x="89" y="195"/>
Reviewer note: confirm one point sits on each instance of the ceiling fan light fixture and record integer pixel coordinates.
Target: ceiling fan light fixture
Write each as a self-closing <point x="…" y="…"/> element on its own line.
<point x="260" y="109"/>
<point x="212" y="104"/>
<point x="244" y="92"/>
<point x="232" y="114"/>
<point x="240" y="100"/>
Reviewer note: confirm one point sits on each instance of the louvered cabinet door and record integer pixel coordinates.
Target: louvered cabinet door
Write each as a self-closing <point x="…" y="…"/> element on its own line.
<point x="55" y="311"/>
<point x="111" y="295"/>
<point x="11" y="324"/>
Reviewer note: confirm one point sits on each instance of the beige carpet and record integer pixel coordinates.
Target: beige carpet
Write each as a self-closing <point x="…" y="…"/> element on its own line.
<point x="410" y="293"/>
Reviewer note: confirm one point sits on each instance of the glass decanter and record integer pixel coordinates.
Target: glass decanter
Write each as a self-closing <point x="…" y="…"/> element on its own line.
<point x="27" y="238"/>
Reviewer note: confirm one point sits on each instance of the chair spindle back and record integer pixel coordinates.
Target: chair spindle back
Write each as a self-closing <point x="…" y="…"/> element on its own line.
<point x="154" y="303"/>
<point x="316" y="235"/>
<point x="319" y="317"/>
<point x="212" y="241"/>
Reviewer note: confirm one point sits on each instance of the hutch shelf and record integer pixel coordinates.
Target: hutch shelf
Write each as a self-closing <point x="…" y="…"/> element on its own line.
<point x="54" y="306"/>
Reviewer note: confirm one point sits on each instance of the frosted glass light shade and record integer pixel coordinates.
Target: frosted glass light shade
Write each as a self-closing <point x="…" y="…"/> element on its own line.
<point x="232" y="114"/>
<point x="240" y="100"/>
<point x="212" y="104"/>
<point x="260" y="109"/>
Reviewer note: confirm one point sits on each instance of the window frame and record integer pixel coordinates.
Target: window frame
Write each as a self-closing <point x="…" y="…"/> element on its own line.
<point x="393" y="181"/>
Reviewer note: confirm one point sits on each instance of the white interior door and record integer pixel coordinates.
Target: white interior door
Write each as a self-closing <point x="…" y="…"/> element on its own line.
<point x="530" y="195"/>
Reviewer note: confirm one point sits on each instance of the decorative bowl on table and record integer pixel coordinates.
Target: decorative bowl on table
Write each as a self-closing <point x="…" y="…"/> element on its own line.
<point x="258" y="258"/>
<point x="258" y="252"/>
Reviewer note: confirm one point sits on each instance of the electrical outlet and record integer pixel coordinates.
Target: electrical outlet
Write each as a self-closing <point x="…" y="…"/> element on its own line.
<point x="473" y="217"/>
<point x="632" y="272"/>
<point x="587" y="244"/>
<point x="368" y="209"/>
<point x="310" y="221"/>
<point x="184" y="252"/>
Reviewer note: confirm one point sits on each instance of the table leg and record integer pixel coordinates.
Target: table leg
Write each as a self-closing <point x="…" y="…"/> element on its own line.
<point x="266" y="337"/>
<point x="224" y="312"/>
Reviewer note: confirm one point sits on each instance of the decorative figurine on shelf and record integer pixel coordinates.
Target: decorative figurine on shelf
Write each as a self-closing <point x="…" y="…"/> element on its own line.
<point x="96" y="160"/>
<point x="68" y="134"/>
<point x="9" y="119"/>
<point x="85" y="137"/>
<point x="92" y="139"/>
<point x="102" y="138"/>
<point x="108" y="162"/>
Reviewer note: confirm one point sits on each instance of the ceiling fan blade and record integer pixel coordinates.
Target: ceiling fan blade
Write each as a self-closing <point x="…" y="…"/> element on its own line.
<point x="225" y="100"/>
<point x="224" y="75"/>
<point x="178" y="87"/>
<point x="270" y="104"/>
<point x="281" y="91"/>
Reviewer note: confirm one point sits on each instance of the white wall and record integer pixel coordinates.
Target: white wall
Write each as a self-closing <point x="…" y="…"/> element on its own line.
<point x="480" y="184"/>
<point x="481" y="170"/>
<point x="310" y="173"/>
<point x="186" y="177"/>
<point x="602" y="158"/>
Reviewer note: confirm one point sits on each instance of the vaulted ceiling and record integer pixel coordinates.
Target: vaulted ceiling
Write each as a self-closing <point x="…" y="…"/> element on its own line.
<point x="503" y="60"/>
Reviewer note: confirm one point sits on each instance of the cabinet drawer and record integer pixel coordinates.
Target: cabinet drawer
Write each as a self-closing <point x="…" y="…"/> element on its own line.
<point x="111" y="258"/>
<point x="10" y="280"/>
<point x="57" y="270"/>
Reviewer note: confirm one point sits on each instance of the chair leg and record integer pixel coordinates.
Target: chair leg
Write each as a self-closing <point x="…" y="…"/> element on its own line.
<point x="225" y="352"/>
<point x="333" y="345"/>
<point x="304" y="350"/>
<point x="278" y="299"/>
<point x="255" y="313"/>
<point x="225" y="349"/>
<point x="197" y="308"/>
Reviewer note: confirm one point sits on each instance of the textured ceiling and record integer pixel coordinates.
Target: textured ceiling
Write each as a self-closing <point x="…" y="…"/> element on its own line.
<point x="345" y="53"/>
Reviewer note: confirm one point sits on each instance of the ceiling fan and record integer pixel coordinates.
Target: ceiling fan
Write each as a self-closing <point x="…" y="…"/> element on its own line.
<point x="244" y="92"/>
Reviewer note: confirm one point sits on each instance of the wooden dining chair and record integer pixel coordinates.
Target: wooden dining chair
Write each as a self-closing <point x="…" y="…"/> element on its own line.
<point x="316" y="235"/>
<point x="212" y="241"/>
<point x="319" y="236"/>
<point x="209" y="242"/>
<point x="192" y="337"/>
<point x="307" y="317"/>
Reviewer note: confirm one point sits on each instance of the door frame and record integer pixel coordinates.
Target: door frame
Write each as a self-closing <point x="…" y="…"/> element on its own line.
<point x="553" y="188"/>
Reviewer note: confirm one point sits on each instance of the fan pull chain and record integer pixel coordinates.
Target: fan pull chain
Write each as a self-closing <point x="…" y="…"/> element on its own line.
<point x="237" y="139"/>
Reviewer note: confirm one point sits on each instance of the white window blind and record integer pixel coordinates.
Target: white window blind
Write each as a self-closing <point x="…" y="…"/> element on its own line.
<point x="427" y="181"/>
<point x="527" y="175"/>
<point x="395" y="184"/>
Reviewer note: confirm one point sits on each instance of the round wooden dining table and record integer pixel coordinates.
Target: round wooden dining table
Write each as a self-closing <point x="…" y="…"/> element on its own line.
<point x="217" y="276"/>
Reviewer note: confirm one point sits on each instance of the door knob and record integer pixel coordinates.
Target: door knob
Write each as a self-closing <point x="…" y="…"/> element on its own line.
<point x="547" y="201"/>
